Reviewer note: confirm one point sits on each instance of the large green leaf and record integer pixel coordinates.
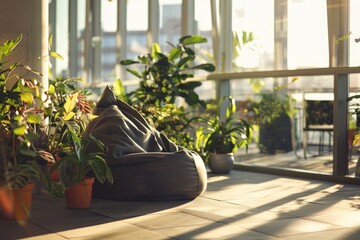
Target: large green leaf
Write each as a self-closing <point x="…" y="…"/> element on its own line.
<point x="174" y="53"/>
<point x="20" y="131"/>
<point x="189" y="85"/>
<point x="27" y="97"/>
<point x="134" y="72"/>
<point x="70" y="103"/>
<point x="51" y="89"/>
<point x="56" y="55"/>
<point x="155" y="49"/>
<point x="206" y="66"/>
<point x="128" y="62"/>
<point x="119" y="89"/>
<point x="34" y="118"/>
<point x="187" y="40"/>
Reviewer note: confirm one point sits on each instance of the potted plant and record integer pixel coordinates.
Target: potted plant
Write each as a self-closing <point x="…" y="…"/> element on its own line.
<point x="220" y="139"/>
<point x="78" y="169"/>
<point x="20" y="118"/>
<point x="67" y="110"/>
<point x="272" y="114"/>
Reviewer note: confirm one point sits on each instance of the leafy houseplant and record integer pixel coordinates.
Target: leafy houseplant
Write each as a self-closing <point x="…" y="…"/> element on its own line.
<point x="217" y="137"/>
<point x="20" y="118"/>
<point x="273" y="115"/>
<point x="77" y="166"/>
<point x="163" y="81"/>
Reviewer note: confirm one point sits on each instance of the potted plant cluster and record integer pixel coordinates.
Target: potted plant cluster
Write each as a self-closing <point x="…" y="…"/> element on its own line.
<point x="20" y="105"/>
<point x="219" y="139"/>
<point x="37" y="128"/>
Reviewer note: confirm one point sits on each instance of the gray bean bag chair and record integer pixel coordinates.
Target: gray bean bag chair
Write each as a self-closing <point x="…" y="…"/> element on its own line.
<point x="145" y="164"/>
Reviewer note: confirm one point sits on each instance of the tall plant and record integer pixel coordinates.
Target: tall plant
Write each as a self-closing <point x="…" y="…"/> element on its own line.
<point x="162" y="81"/>
<point x="20" y="118"/>
<point x="164" y="76"/>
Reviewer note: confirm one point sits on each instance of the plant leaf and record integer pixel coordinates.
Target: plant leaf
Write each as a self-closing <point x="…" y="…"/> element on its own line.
<point x="27" y="97"/>
<point x="128" y="62"/>
<point x="70" y="103"/>
<point x="187" y="40"/>
<point x="20" y="131"/>
<point x="33" y="118"/>
<point x="68" y="116"/>
<point x="155" y="49"/>
<point x="174" y="53"/>
<point x="133" y="72"/>
<point x="206" y="66"/>
<point x="56" y="55"/>
<point x="51" y="90"/>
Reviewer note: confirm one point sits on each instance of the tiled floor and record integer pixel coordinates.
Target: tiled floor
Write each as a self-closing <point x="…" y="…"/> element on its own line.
<point x="295" y="159"/>
<point x="241" y="205"/>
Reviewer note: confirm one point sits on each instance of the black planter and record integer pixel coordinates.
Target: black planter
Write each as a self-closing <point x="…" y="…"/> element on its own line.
<point x="276" y="136"/>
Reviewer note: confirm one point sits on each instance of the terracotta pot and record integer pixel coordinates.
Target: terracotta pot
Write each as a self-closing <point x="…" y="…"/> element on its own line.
<point x="221" y="163"/>
<point x="79" y="194"/>
<point x="54" y="175"/>
<point x="18" y="202"/>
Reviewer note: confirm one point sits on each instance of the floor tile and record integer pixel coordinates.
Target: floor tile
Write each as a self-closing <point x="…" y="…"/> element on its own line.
<point x="167" y="220"/>
<point x="114" y="230"/>
<point x="286" y="227"/>
<point x="214" y="231"/>
<point x="344" y="219"/>
<point x="337" y="234"/>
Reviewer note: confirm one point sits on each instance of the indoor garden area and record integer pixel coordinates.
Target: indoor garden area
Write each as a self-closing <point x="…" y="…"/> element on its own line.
<point x="181" y="119"/>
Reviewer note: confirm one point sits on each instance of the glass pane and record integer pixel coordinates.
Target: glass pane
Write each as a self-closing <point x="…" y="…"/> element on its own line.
<point x="80" y="36"/>
<point x="204" y="28"/>
<point x="170" y="23"/>
<point x="61" y="37"/>
<point x="137" y="15"/>
<point x="276" y="35"/>
<point x="354" y="28"/>
<point x="290" y="126"/>
<point x="307" y="35"/>
<point x="137" y="25"/>
<point x="253" y="29"/>
<point x="108" y="53"/>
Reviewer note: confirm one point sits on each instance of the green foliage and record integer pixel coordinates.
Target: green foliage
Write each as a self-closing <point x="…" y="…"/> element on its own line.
<point x="20" y="118"/>
<point x="67" y="110"/>
<point x="273" y="113"/>
<point x="171" y="120"/>
<point x="270" y="107"/>
<point x="163" y="81"/>
<point x="37" y="126"/>
<point x="78" y="164"/>
<point x="227" y="136"/>
<point x="163" y="77"/>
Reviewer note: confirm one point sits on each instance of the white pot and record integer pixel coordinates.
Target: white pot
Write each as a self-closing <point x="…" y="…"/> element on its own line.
<point x="221" y="163"/>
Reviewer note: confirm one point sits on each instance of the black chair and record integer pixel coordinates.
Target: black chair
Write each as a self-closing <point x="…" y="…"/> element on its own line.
<point x="318" y="117"/>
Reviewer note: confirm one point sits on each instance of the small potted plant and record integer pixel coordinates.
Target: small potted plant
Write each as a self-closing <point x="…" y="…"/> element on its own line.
<point x="78" y="169"/>
<point x="218" y="139"/>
